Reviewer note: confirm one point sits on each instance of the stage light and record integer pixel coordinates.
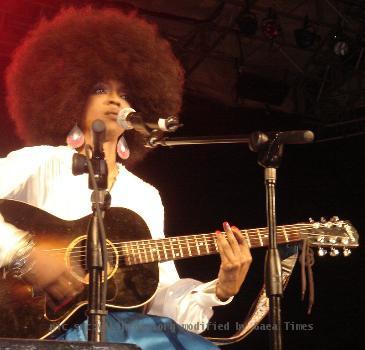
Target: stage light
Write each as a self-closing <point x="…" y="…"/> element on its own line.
<point x="306" y="36"/>
<point x="341" y="48"/>
<point x="340" y="43"/>
<point x="270" y="25"/>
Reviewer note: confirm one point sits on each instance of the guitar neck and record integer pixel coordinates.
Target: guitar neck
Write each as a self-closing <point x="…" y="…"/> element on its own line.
<point x="174" y="248"/>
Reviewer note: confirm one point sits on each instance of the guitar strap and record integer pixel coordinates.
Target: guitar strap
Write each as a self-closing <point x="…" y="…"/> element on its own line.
<point x="259" y="309"/>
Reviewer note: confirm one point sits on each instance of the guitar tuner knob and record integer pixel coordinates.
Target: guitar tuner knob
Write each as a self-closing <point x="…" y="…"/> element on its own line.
<point x="345" y="240"/>
<point x="323" y="220"/>
<point x="320" y="239"/>
<point x="334" y="251"/>
<point x="346" y="252"/>
<point x="321" y="251"/>
<point x="311" y="220"/>
<point x="333" y="240"/>
<point x="335" y="219"/>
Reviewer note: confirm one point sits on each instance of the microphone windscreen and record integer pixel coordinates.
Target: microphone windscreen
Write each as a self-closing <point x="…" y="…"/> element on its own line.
<point x="98" y="126"/>
<point x="122" y="118"/>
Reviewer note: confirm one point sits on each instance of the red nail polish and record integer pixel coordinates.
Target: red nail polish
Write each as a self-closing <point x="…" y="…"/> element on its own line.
<point x="226" y="225"/>
<point x="217" y="232"/>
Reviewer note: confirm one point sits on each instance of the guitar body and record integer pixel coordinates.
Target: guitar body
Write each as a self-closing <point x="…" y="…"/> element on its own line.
<point x="24" y="312"/>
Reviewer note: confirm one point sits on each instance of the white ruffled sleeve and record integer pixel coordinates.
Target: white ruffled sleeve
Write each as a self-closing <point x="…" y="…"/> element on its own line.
<point x="21" y="175"/>
<point x="21" y="179"/>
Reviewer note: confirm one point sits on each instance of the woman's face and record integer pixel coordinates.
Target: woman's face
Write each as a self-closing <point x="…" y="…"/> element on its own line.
<point x="105" y="102"/>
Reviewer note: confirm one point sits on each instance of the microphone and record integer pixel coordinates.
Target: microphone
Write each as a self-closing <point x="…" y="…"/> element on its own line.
<point x="128" y="119"/>
<point x="98" y="134"/>
<point x="293" y="137"/>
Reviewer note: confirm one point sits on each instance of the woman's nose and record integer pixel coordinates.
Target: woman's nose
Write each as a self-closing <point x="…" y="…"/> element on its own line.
<point x="114" y="98"/>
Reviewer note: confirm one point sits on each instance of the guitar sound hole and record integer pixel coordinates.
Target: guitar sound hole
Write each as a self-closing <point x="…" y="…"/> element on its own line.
<point x="76" y="259"/>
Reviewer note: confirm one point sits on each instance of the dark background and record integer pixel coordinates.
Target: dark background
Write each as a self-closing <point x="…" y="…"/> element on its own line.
<point x="202" y="186"/>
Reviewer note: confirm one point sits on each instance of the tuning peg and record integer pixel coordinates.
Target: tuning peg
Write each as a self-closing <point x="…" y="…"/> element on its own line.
<point x="334" y="219"/>
<point x="311" y="220"/>
<point x="334" y="251"/>
<point x="333" y="240"/>
<point x="346" y="252"/>
<point x="345" y="240"/>
<point x="320" y="239"/>
<point x="321" y="251"/>
<point x="323" y="220"/>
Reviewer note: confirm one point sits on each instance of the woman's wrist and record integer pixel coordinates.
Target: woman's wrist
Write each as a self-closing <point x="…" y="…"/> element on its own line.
<point x="220" y="294"/>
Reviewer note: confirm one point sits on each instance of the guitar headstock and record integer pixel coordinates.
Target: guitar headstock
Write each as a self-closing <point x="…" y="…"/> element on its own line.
<point x="334" y="235"/>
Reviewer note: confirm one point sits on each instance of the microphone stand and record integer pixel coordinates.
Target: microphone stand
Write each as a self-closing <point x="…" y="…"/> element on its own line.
<point x="96" y="253"/>
<point x="270" y="153"/>
<point x="97" y="259"/>
<point x="270" y="150"/>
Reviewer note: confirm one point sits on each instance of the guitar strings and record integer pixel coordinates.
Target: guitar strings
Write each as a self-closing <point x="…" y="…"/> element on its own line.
<point x="191" y="239"/>
<point x="162" y="249"/>
<point x="137" y="248"/>
<point x="168" y="251"/>
<point x="246" y="233"/>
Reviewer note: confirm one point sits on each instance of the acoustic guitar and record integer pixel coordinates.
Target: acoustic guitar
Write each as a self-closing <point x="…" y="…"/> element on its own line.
<point x="133" y="259"/>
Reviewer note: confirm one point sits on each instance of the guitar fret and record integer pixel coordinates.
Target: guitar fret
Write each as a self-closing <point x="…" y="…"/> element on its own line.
<point x="133" y="254"/>
<point x="259" y="235"/>
<point x="215" y="243"/>
<point x="164" y="249"/>
<point x="151" y="251"/>
<point x="181" y="251"/>
<point x="172" y="241"/>
<point x="244" y="232"/>
<point x="177" y="247"/>
<point x="197" y="244"/>
<point x="148" y="250"/>
<point x="157" y="251"/>
<point x="139" y="254"/>
<point x="206" y="244"/>
<point x="144" y="251"/>
<point x="285" y="234"/>
<point x="188" y="244"/>
<point x="125" y="254"/>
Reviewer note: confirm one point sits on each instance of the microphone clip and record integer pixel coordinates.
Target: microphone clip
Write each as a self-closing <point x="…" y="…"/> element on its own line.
<point x="268" y="147"/>
<point x="93" y="163"/>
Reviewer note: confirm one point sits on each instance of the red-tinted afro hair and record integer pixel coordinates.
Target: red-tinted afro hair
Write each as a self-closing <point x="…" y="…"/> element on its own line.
<point x="53" y="71"/>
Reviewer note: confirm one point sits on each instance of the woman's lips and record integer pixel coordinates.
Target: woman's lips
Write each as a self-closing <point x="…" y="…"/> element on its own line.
<point x="112" y="114"/>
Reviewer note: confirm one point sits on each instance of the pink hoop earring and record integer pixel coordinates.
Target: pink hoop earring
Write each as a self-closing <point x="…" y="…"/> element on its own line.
<point x="75" y="137"/>
<point x="122" y="148"/>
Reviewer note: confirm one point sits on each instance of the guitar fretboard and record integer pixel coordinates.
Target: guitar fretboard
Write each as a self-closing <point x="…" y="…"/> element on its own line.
<point x="173" y="248"/>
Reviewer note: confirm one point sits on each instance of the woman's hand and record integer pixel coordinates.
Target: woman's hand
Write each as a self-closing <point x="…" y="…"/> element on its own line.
<point x="235" y="261"/>
<point x="49" y="273"/>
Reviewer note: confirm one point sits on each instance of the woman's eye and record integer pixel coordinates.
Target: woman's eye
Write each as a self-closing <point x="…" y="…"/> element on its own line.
<point x="124" y="96"/>
<point x="100" y="91"/>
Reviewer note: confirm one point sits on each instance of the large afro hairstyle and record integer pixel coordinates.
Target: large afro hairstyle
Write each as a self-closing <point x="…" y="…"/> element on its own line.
<point x="54" y="69"/>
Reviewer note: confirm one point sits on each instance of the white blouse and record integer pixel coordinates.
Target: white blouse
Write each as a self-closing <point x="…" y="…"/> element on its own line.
<point x="42" y="176"/>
